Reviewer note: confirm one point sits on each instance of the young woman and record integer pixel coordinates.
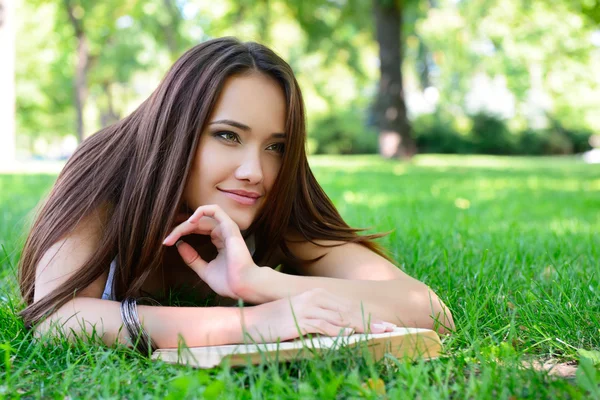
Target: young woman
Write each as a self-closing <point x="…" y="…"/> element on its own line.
<point x="207" y="185"/>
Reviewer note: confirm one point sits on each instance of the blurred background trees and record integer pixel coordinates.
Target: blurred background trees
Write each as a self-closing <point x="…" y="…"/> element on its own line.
<point x="450" y="76"/>
<point x="7" y="82"/>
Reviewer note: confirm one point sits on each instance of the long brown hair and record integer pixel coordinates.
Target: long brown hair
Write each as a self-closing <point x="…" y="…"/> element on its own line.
<point x="137" y="168"/>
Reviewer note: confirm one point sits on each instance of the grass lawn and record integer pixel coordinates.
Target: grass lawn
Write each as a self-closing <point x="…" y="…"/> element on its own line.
<point x="511" y="244"/>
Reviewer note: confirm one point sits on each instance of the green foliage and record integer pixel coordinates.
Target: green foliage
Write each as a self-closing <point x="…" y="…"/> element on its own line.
<point x="545" y="142"/>
<point x="436" y="133"/>
<point x="589" y="8"/>
<point x="44" y="81"/>
<point x="343" y="132"/>
<point x="578" y="137"/>
<point x="593" y="355"/>
<point x="123" y="38"/>
<point x="588" y="377"/>
<point x="534" y="143"/>
<point x="333" y="28"/>
<point x="513" y="40"/>
<point x="491" y="135"/>
<point x="446" y="44"/>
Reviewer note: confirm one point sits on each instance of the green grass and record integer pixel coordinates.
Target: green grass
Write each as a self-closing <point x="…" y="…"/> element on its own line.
<point x="511" y="244"/>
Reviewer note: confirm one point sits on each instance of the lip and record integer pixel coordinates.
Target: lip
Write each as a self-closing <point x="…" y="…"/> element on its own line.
<point x="241" y="196"/>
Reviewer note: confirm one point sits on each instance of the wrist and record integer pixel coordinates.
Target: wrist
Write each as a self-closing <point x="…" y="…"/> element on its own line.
<point x="256" y="287"/>
<point x="232" y="331"/>
<point x="241" y="320"/>
<point x="248" y="318"/>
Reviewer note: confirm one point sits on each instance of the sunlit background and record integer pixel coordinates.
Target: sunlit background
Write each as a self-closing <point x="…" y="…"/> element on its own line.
<point x="464" y="129"/>
<point x="510" y="77"/>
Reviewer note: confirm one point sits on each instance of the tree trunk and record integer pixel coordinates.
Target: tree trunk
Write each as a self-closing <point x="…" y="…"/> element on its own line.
<point x="109" y="115"/>
<point x="81" y="70"/>
<point x="7" y="82"/>
<point x="264" y="22"/>
<point x="171" y="29"/>
<point x="423" y="57"/>
<point x="81" y="84"/>
<point x="395" y="133"/>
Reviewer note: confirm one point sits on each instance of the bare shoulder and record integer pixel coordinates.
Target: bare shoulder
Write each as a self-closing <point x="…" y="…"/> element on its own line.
<point x="308" y="250"/>
<point x="339" y="259"/>
<point x="67" y="255"/>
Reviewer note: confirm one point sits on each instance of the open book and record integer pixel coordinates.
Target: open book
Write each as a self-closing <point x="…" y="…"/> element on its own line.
<point x="401" y="343"/>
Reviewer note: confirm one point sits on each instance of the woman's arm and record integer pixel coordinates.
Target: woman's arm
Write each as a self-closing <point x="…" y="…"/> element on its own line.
<point x="343" y="270"/>
<point x="313" y="311"/>
<point x="87" y="311"/>
<point x="206" y="326"/>
<point x="356" y="273"/>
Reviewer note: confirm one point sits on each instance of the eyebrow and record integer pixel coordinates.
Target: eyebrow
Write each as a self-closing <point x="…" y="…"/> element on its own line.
<point x="243" y="127"/>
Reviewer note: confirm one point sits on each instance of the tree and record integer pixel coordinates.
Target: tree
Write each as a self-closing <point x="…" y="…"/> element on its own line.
<point x="330" y="35"/>
<point x="7" y="81"/>
<point x="589" y="8"/>
<point x="395" y="134"/>
<point x="84" y="17"/>
<point x="104" y="56"/>
<point x="124" y="39"/>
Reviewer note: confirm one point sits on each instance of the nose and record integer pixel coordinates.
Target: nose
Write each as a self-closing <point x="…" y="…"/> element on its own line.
<point x="250" y="168"/>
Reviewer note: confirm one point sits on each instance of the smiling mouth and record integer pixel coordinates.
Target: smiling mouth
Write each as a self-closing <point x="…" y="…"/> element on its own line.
<point x="241" y="197"/>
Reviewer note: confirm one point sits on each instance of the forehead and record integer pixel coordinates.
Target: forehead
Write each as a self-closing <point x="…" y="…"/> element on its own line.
<point x="253" y="99"/>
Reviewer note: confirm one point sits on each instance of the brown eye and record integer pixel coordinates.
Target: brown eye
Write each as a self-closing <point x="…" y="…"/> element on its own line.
<point x="277" y="147"/>
<point x="228" y="136"/>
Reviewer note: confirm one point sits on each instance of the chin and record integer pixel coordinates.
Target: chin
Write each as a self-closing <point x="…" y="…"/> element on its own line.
<point x="242" y="222"/>
<point x="243" y="225"/>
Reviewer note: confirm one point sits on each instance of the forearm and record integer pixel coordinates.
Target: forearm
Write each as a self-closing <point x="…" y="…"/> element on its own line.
<point x="197" y="326"/>
<point x="405" y="302"/>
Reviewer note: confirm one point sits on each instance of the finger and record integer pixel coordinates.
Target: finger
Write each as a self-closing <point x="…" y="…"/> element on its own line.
<point x="216" y="237"/>
<point x="203" y="226"/>
<point x="330" y="301"/>
<point x="216" y="212"/>
<point x="338" y="309"/>
<point x="226" y="228"/>
<point x="191" y="257"/>
<point x="325" y="328"/>
<point x="333" y="317"/>
<point x="348" y="320"/>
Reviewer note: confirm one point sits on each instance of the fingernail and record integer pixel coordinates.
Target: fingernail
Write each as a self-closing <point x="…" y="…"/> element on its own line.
<point x="165" y="241"/>
<point x="389" y="324"/>
<point x="378" y="327"/>
<point x="348" y="331"/>
<point x="178" y="243"/>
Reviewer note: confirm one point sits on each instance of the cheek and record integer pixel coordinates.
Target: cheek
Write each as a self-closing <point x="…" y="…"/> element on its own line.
<point x="197" y="179"/>
<point x="271" y="170"/>
<point x="212" y="165"/>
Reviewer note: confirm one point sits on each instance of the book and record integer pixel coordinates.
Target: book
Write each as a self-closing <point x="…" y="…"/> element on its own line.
<point x="411" y="343"/>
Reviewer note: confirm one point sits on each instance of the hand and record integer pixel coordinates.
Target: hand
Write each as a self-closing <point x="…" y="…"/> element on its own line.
<point x="314" y="311"/>
<point x="227" y="273"/>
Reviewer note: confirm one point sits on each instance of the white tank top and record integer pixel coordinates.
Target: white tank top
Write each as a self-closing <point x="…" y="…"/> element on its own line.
<point x="108" y="294"/>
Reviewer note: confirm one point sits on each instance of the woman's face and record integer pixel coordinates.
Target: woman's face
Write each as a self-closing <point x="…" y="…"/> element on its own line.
<point x="241" y="148"/>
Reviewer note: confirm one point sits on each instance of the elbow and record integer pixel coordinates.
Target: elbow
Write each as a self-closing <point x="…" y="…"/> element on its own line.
<point x="424" y="309"/>
<point x="59" y="325"/>
<point x="443" y="321"/>
<point x="81" y="319"/>
<point x="52" y="327"/>
<point x="438" y="315"/>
